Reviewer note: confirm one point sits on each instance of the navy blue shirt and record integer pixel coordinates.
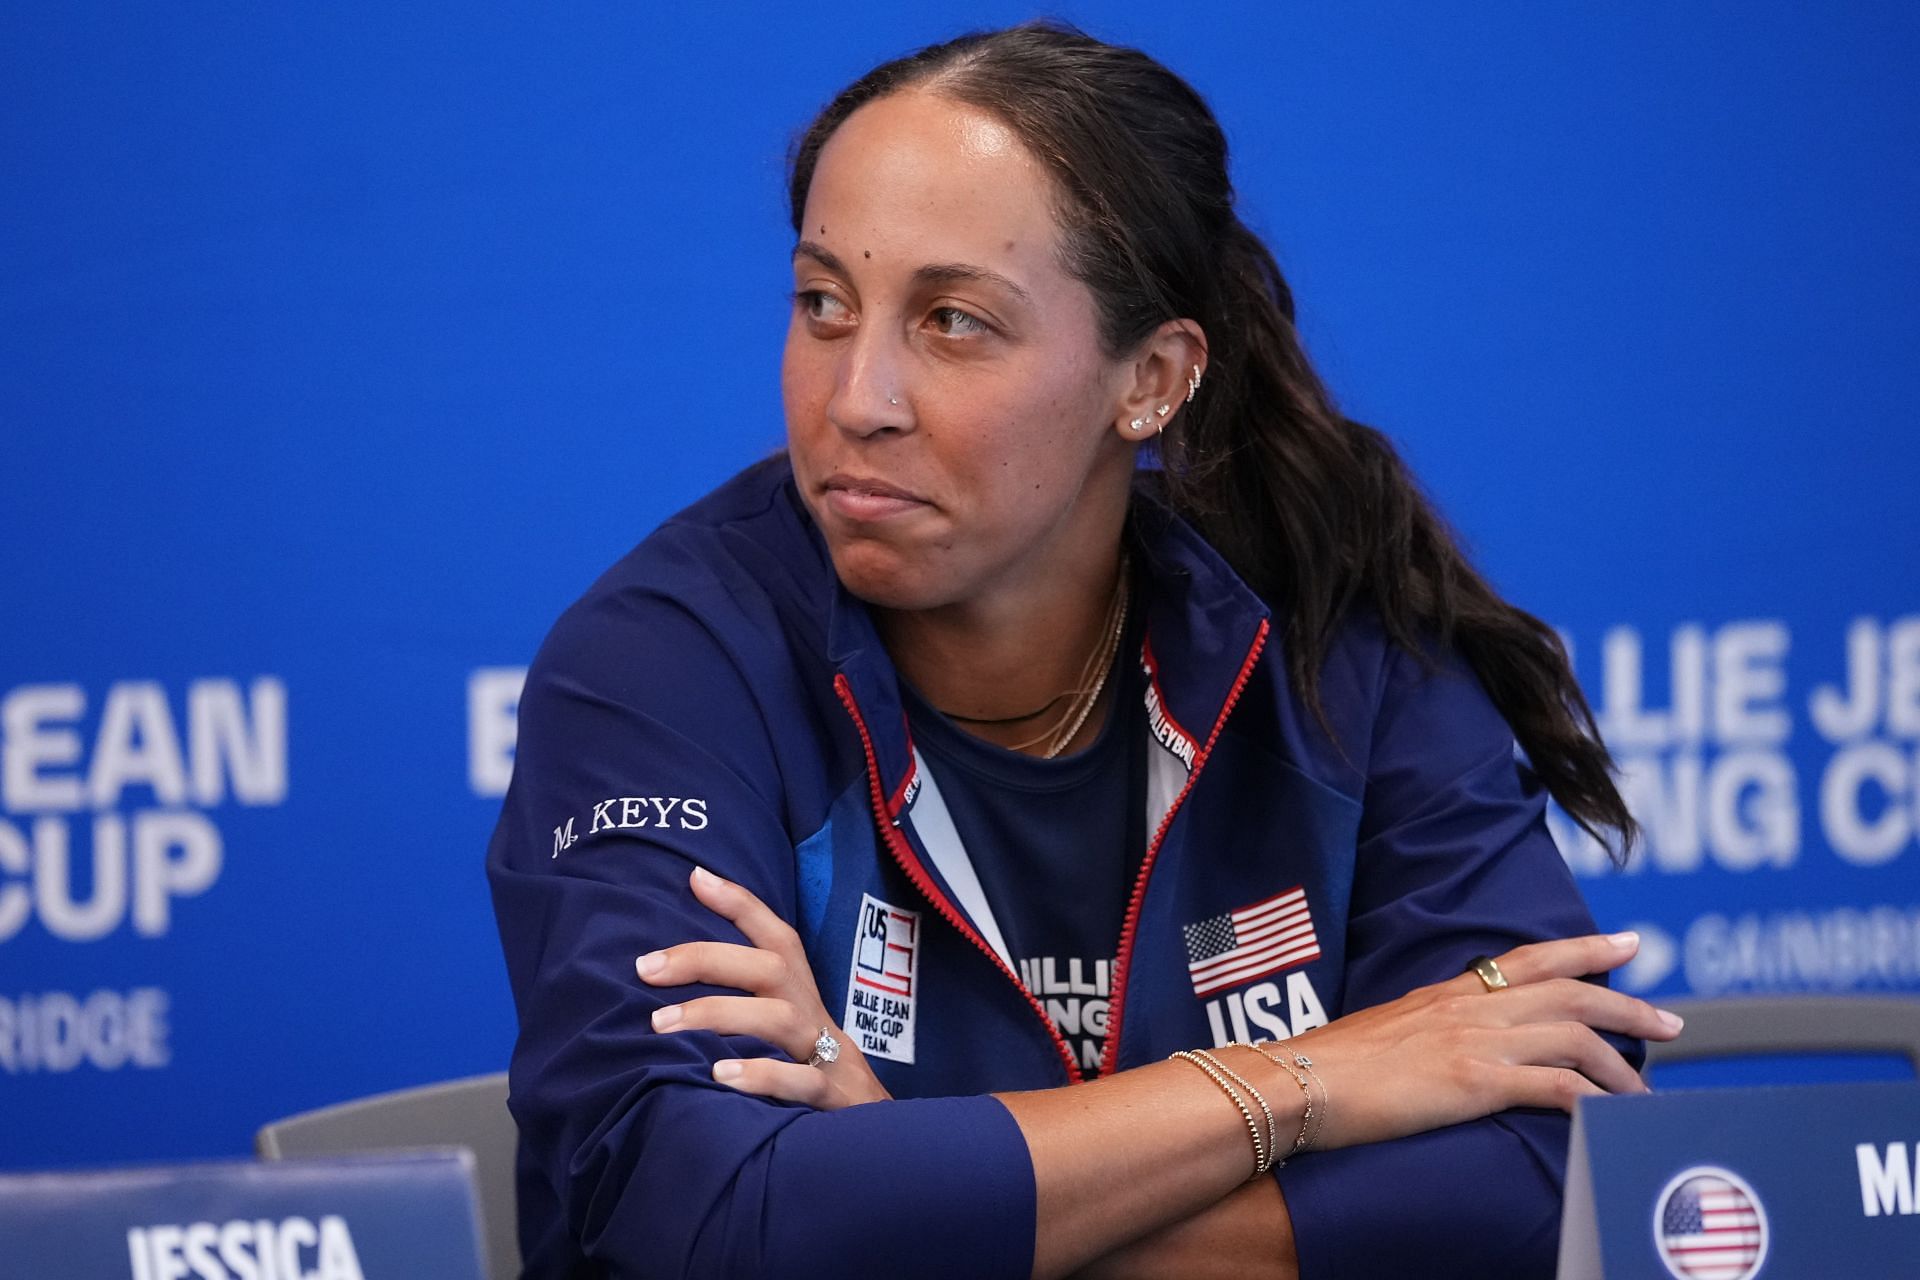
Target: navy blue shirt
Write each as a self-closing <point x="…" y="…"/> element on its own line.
<point x="1056" y="844"/>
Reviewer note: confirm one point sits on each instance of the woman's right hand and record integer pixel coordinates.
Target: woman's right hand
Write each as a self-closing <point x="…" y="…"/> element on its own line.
<point x="1456" y="1051"/>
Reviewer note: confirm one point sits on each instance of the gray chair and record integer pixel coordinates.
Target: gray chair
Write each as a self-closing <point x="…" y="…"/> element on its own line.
<point x="1744" y="1026"/>
<point x="468" y="1113"/>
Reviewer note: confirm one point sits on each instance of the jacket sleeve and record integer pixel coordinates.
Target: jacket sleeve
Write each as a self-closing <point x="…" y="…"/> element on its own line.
<point x="642" y="753"/>
<point x="1454" y="860"/>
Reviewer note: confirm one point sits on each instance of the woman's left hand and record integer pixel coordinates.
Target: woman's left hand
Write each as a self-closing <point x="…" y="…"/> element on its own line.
<point x="783" y="1006"/>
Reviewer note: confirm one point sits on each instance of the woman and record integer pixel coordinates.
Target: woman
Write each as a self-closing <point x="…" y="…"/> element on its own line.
<point x="950" y="698"/>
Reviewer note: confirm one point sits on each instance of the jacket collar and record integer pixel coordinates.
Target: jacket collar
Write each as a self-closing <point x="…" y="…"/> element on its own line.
<point x="1201" y="622"/>
<point x="1201" y="618"/>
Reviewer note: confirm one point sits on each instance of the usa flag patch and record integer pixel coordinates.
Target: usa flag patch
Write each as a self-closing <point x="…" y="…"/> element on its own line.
<point x="1250" y="942"/>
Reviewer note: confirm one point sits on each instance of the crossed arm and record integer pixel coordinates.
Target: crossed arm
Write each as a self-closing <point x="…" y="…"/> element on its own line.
<point x="650" y="1156"/>
<point x="1148" y="1170"/>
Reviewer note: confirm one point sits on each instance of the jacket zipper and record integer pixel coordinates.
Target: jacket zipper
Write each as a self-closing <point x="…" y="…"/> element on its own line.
<point x="910" y="863"/>
<point x="1123" y="963"/>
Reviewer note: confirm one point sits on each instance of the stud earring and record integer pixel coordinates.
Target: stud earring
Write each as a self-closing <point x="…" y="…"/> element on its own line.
<point x="1164" y="410"/>
<point x="1138" y="424"/>
<point x="1193" y="384"/>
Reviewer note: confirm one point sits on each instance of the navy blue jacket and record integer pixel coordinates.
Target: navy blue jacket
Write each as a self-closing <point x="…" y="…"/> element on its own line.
<point x="718" y="699"/>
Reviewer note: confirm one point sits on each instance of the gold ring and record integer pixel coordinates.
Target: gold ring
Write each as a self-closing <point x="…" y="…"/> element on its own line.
<point x="1483" y="968"/>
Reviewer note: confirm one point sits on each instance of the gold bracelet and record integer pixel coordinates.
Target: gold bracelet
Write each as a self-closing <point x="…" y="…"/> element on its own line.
<point x="1273" y="1129"/>
<point x="1302" y="1140"/>
<point x="1325" y="1106"/>
<point x="1253" y="1128"/>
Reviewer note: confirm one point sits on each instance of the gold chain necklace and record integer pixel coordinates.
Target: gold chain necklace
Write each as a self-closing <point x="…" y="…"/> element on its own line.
<point x="1098" y="665"/>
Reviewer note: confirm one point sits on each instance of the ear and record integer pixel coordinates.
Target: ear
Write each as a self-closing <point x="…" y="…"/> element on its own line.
<point x="1158" y="377"/>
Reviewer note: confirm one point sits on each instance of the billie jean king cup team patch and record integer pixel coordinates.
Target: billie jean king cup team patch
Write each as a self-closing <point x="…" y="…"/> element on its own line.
<point x="883" y="980"/>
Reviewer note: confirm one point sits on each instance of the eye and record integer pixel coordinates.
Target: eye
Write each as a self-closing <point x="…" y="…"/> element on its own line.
<point x="955" y="323"/>
<point x="822" y="308"/>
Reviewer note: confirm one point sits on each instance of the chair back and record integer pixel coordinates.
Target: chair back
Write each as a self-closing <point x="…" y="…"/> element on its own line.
<point x="469" y="1113"/>
<point x="1744" y="1026"/>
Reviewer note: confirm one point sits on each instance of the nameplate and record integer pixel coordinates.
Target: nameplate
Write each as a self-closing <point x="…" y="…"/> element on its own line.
<point x="1735" y="1184"/>
<point x="350" y="1218"/>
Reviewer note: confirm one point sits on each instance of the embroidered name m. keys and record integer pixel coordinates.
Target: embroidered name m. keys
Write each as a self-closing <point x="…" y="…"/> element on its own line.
<point x="629" y="813"/>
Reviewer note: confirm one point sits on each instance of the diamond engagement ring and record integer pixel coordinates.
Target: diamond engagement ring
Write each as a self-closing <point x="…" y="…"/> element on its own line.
<point x="826" y="1049"/>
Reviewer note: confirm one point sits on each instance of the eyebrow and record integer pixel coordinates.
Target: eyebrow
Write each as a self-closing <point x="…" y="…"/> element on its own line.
<point x="932" y="273"/>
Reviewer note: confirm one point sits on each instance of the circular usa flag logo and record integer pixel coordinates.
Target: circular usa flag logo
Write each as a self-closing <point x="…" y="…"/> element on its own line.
<point x="1708" y="1225"/>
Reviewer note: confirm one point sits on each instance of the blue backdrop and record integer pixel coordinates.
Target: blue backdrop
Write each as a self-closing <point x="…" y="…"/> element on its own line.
<point x="343" y="346"/>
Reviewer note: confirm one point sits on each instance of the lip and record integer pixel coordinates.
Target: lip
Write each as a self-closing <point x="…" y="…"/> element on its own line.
<point x="863" y="498"/>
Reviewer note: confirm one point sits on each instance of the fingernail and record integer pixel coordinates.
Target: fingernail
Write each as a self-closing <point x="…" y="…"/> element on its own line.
<point x="667" y="1017"/>
<point x="705" y="878"/>
<point x="1625" y="941"/>
<point x="651" y="964"/>
<point x="728" y="1070"/>
<point x="1671" y="1020"/>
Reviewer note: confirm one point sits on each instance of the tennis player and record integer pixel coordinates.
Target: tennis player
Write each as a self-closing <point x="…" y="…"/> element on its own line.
<point x="1064" y="814"/>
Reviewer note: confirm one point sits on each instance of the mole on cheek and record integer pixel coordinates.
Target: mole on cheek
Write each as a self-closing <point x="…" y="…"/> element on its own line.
<point x="823" y="228"/>
<point x="866" y="253"/>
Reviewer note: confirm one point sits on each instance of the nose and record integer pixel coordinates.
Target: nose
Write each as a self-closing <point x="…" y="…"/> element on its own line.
<point x="870" y="387"/>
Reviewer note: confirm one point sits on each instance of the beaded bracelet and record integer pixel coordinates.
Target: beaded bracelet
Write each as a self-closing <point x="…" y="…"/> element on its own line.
<point x="1253" y="1128"/>
<point x="1273" y="1128"/>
